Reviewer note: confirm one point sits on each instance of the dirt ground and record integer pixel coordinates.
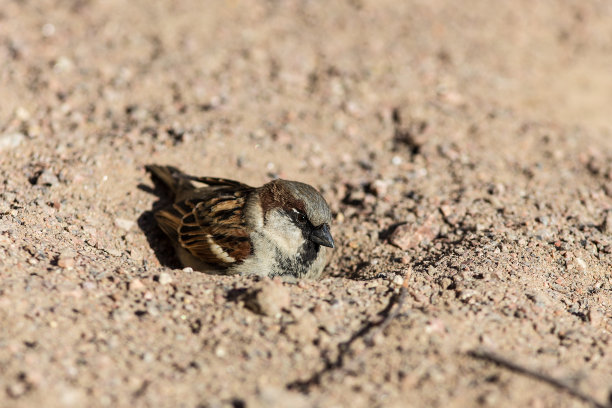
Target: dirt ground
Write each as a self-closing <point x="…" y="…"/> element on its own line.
<point x="465" y="149"/>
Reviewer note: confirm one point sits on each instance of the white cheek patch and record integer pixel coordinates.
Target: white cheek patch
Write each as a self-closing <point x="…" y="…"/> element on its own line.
<point x="218" y="251"/>
<point x="283" y="232"/>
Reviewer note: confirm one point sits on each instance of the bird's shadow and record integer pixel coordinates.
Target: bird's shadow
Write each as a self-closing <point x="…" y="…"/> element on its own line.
<point x="157" y="240"/>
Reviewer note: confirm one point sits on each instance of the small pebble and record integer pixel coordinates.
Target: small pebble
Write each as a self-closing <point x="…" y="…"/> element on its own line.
<point x="22" y="113"/>
<point x="89" y="285"/>
<point x="66" y="263"/>
<point x="165" y="278"/>
<point x="48" y="30"/>
<point x="16" y="390"/>
<point x="379" y="188"/>
<point x="124" y="224"/>
<point x="11" y="140"/>
<point x="63" y="64"/>
<point x="408" y="236"/>
<point x="268" y="297"/>
<point x="398" y="280"/>
<point x="47" y="178"/>
<point x="66" y="259"/>
<point x="136" y="284"/>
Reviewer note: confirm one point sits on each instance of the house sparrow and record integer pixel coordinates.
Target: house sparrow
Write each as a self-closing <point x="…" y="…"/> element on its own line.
<point x="278" y="229"/>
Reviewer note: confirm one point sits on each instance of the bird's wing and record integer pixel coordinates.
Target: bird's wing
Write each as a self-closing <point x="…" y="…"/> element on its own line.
<point x="215" y="181"/>
<point x="209" y="223"/>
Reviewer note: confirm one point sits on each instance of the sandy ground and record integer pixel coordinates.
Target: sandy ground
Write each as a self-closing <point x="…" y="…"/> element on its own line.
<point x="464" y="147"/>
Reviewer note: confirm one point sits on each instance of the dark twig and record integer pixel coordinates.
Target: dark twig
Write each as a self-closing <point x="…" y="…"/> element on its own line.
<point x="389" y="313"/>
<point x="555" y="382"/>
<point x="398" y="300"/>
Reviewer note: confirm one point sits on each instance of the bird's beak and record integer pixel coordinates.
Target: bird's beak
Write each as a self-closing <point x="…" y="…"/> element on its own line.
<point x="322" y="236"/>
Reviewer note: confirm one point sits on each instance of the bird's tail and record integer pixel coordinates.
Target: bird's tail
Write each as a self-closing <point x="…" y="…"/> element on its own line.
<point x="171" y="177"/>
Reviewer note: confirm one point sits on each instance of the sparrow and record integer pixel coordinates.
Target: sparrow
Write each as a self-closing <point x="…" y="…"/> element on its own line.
<point x="226" y="227"/>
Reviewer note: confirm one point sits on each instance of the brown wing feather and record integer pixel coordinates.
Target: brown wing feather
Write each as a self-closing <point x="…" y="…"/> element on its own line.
<point x="215" y="181"/>
<point x="209" y="224"/>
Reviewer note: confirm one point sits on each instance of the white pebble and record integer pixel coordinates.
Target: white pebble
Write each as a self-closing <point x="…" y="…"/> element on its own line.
<point x="124" y="224"/>
<point x="11" y="140"/>
<point x="48" y="30"/>
<point x="165" y="278"/>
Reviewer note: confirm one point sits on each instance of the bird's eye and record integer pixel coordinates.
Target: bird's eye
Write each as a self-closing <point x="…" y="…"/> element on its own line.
<point x="299" y="216"/>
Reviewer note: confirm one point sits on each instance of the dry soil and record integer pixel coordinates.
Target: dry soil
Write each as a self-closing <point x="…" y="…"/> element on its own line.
<point x="464" y="147"/>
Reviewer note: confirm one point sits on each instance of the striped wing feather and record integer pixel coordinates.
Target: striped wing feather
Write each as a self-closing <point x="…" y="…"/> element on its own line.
<point x="209" y="224"/>
<point x="215" y="181"/>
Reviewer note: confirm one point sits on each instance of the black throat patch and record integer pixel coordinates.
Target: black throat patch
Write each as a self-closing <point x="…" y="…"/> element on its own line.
<point x="298" y="265"/>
